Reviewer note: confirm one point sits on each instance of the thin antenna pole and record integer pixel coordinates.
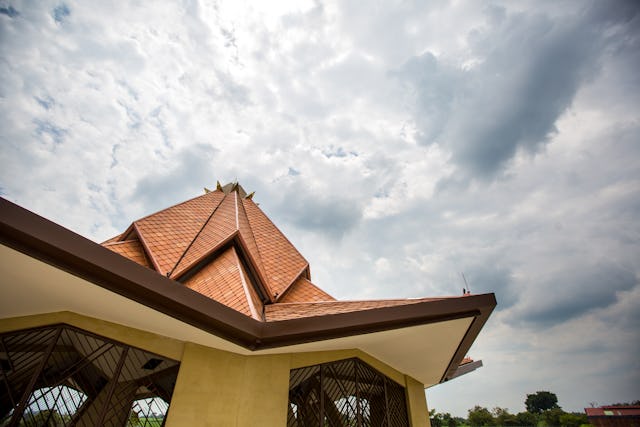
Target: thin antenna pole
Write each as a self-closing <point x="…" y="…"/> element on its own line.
<point x="465" y="282"/>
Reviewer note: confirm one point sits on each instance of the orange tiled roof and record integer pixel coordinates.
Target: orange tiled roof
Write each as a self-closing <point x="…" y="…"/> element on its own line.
<point x="282" y="263"/>
<point x="218" y="228"/>
<point x="225" y="280"/>
<point x="131" y="249"/>
<point x="167" y="234"/>
<point x="280" y="311"/>
<point x="223" y="246"/>
<point x="304" y="290"/>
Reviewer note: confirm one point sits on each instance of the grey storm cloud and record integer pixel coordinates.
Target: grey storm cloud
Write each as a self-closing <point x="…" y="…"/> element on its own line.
<point x="571" y="294"/>
<point x="493" y="278"/>
<point x="528" y="72"/>
<point x="331" y="215"/>
<point x="9" y="11"/>
<point x="61" y="12"/>
<point x="190" y="167"/>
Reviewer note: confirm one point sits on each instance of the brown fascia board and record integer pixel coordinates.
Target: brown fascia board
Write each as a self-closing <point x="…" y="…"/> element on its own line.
<point x="470" y="336"/>
<point x="308" y="329"/>
<point x="46" y="241"/>
<point x="465" y="369"/>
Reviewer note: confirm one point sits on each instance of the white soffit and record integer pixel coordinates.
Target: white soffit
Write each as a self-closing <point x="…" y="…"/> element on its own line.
<point x="423" y="352"/>
<point x="30" y="286"/>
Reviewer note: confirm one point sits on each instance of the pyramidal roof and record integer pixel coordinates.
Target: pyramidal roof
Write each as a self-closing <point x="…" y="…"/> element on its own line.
<point x="223" y="246"/>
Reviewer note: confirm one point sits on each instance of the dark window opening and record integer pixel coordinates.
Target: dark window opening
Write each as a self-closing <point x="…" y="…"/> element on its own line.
<point x="63" y="376"/>
<point x="345" y="393"/>
<point x="152" y="364"/>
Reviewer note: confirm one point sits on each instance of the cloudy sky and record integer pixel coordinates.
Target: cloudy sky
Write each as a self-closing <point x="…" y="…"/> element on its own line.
<point x="397" y="144"/>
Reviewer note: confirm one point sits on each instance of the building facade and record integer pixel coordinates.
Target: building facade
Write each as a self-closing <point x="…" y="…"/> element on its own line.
<point x="205" y="314"/>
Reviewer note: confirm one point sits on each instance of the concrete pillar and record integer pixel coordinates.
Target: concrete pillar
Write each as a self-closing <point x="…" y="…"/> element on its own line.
<point x="218" y="388"/>
<point x="417" y="403"/>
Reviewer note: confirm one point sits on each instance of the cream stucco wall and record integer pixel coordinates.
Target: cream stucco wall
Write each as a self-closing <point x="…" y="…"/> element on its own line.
<point x="416" y="403"/>
<point x="219" y="388"/>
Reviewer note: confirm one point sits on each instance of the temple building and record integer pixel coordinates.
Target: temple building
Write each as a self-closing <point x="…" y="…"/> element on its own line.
<point x="205" y="314"/>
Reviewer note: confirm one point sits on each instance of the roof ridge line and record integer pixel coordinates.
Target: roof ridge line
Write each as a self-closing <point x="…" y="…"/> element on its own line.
<point x="173" y="206"/>
<point x="245" y="287"/>
<point x="258" y="261"/>
<point x="117" y="238"/>
<point x="145" y="247"/>
<point x="117" y="242"/>
<point x="235" y="200"/>
<point x="268" y="285"/>
<point x="295" y="279"/>
<point x="262" y="281"/>
<point x="224" y="242"/>
<point x="280" y="231"/>
<point x="170" y="273"/>
<point x="309" y="282"/>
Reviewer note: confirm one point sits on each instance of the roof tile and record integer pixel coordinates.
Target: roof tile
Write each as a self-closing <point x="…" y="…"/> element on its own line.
<point x="286" y="311"/>
<point x="221" y="224"/>
<point x="221" y="280"/>
<point x="303" y="290"/>
<point x="131" y="249"/>
<point x="282" y="263"/>
<point x="169" y="233"/>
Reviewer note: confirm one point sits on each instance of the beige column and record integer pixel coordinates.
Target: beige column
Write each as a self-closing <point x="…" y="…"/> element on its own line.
<point x="218" y="388"/>
<point x="417" y="403"/>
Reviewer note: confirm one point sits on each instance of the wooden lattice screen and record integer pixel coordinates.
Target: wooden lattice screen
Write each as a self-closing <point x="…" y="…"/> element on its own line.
<point x="345" y="393"/>
<point x="63" y="376"/>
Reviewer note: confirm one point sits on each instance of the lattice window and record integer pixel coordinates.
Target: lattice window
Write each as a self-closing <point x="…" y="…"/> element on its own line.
<point x="346" y="393"/>
<point x="63" y="376"/>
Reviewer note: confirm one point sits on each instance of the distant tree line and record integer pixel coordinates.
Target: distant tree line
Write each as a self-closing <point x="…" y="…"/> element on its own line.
<point x="634" y="403"/>
<point x="542" y="411"/>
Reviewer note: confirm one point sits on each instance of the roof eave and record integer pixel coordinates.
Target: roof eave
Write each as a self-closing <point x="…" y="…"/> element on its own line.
<point x="44" y="240"/>
<point x="307" y="329"/>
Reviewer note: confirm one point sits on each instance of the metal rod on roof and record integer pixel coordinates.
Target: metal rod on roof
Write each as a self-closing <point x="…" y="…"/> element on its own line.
<point x="468" y="289"/>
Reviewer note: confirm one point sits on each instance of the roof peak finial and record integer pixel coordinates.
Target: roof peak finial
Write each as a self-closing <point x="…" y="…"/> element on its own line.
<point x="231" y="187"/>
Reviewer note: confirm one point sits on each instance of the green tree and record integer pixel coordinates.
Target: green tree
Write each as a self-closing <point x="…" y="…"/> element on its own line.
<point x="459" y="421"/>
<point x="134" y="419"/>
<point x="634" y="403"/>
<point x="479" y="416"/>
<point x="448" y="420"/>
<point x="442" y="420"/>
<point x="527" y="419"/>
<point x="551" y="417"/>
<point x="435" y="418"/>
<point x="573" y="419"/>
<point x="46" y="418"/>
<point x="503" y="417"/>
<point x="541" y="401"/>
